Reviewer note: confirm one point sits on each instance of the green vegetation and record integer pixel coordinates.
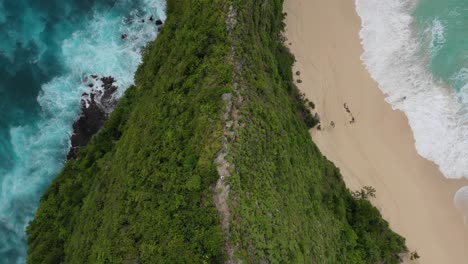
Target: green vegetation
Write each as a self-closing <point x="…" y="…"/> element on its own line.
<point x="414" y="255"/>
<point x="365" y="193"/>
<point x="142" y="191"/>
<point x="289" y="203"/>
<point x="305" y="107"/>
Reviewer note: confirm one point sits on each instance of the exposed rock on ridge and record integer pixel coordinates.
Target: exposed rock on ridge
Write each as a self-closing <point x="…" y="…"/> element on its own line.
<point x="96" y="107"/>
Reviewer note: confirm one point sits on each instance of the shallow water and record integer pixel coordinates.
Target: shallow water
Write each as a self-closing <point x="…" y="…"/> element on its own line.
<point x="47" y="49"/>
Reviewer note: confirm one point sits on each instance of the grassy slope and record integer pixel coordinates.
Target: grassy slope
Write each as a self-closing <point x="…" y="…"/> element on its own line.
<point x="141" y="192"/>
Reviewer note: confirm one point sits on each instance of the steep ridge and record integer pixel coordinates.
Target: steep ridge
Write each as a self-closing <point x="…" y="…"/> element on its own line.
<point x="207" y="160"/>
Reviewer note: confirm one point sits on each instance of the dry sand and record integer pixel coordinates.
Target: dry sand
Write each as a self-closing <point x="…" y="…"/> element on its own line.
<point x="377" y="150"/>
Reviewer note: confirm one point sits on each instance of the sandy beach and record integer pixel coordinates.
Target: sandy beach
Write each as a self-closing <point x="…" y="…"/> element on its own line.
<point x="378" y="149"/>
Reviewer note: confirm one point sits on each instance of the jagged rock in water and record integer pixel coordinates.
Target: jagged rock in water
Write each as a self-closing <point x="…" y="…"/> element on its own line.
<point x="96" y="106"/>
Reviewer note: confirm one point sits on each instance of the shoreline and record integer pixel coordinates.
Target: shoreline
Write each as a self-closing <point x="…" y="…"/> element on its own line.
<point x="378" y="149"/>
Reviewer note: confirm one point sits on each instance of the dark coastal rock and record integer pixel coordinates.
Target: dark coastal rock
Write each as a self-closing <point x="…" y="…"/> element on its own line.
<point x="159" y="22"/>
<point x="90" y="121"/>
<point x="96" y="107"/>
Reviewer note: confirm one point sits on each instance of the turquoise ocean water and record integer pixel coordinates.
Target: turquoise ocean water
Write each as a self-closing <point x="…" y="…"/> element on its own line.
<point x="445" y="26"/>
<point x="47" y="48"/>
<point x="417" y="51"/>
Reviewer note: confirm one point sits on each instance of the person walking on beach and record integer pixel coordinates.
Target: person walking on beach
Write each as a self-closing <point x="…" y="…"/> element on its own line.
<point x="346" y="107"/>
<point x="332" y="124"/>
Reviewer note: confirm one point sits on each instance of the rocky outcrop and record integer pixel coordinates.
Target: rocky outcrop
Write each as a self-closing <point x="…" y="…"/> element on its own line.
<point x="98" y="103"/>
<point x="96" y="106"/>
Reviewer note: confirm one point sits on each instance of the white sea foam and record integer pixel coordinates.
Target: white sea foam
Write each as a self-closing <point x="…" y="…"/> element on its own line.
<point x="437" y="35"/>
<point x="392" y="54"/>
